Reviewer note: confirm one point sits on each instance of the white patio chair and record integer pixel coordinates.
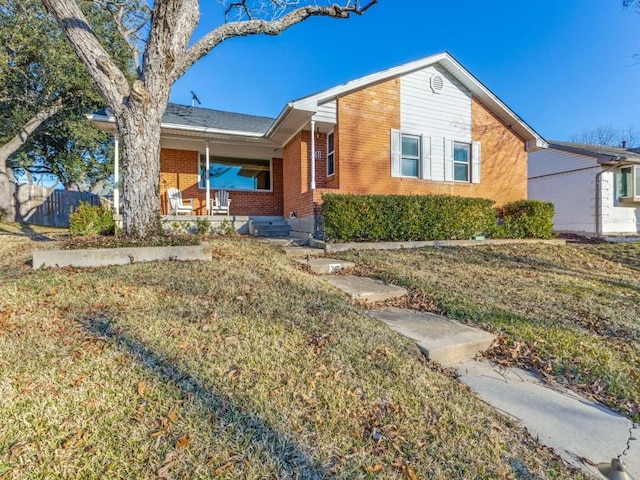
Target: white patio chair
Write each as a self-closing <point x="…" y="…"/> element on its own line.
<point x="176" y="205"/>
<point x="222" y="203"/>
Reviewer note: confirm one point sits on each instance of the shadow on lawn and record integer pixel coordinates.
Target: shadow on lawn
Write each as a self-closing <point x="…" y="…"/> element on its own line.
<point x="292" y="461"/>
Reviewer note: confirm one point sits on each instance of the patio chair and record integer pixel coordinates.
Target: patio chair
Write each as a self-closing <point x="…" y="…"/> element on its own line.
<point x="175" y="203"/>
<point x="222" y="204"/>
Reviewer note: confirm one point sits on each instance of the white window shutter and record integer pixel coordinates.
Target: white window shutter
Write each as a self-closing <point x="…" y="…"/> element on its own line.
<point x="475" y="162"/>
<point x="426" y="157"/>
<point x="396" y="142"/>
<point x="448" y="160"/>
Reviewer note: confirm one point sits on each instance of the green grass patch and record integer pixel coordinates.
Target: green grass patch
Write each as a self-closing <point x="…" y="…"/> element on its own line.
<point x="243" y="367"/>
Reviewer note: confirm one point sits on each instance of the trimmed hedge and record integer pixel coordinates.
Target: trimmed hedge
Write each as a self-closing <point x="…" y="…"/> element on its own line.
<point x="388" y="218"/>
<point x="373" y="218"/>
<point x="524" y="219"/>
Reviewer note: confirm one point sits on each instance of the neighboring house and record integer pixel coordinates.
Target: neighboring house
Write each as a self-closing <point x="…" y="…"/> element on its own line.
<point x="595" y="189"/>
<point x="425" y="127"/>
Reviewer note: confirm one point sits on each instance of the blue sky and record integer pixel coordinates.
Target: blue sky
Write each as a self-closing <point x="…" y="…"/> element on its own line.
<point x="561" y="65"/>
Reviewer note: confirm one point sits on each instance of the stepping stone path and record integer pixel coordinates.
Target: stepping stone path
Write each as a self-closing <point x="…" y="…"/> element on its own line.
<point x="582" y="432"/>
<point x="323" y="266"/>
<point x="366" y="289"/>
<point x="441" y="339"/>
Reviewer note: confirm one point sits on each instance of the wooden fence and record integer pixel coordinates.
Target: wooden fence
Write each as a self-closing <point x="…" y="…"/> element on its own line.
<point x="46" y="206"/>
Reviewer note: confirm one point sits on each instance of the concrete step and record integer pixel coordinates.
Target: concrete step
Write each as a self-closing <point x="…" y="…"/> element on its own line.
<point x="298" y="252"/>
<point x="276" y="227"/>
<point x="442" y="339"/>
<point x="324" y="266"/>
<point x="271" y="230"/>
<point x="366" y="289"/>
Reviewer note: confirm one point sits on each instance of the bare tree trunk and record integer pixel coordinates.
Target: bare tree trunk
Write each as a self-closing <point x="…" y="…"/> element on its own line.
<point x="7" y="191"/>
<point x="140" y="136"/>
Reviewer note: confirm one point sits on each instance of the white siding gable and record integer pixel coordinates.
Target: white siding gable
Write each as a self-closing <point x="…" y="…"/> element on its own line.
<point x="327" y="113"/>
<point x="551" y="161"/>
<point x="443" y="116"/>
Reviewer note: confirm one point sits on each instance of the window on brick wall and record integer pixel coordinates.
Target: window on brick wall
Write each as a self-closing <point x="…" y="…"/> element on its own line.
<point x="461" y="161"/>
<point x="331" y="154"/>
<point x="228" y="173"/>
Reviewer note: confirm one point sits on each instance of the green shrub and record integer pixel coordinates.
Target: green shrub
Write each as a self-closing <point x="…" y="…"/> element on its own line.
<point x="203" y="226"/>
<point x="89" y="219"/>
<point x="524" y="219"/>
<point x="363" y="218"/>
<point x="226" y="228"/>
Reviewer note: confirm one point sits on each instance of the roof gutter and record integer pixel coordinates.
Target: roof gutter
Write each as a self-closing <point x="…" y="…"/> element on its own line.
<point x="185" y="128"/>
<point x="281" y="118"/>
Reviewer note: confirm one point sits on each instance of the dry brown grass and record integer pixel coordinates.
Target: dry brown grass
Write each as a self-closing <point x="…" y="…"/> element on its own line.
<point x="569" y="312"/>
<point x="243" y="367"/>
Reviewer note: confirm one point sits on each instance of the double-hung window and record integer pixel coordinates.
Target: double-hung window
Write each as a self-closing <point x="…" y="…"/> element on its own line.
<point x="410" y="159"/>
<point x="461" y="161"/>
<point x="331" y="154"/>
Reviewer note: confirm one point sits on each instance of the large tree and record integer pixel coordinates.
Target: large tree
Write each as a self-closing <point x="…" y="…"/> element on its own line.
<point x="165" y="51"/>
<point x="45" y="93"/>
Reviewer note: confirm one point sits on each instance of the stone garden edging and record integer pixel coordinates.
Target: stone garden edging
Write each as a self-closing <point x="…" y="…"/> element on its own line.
<point x="102" y="257"/>
<point x="341" y="247"/>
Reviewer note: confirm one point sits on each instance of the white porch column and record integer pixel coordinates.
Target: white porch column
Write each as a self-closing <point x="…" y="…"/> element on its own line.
<point x="208" y="194"/>
<point x="313" y="154"/>
<point x="116" y="175"/>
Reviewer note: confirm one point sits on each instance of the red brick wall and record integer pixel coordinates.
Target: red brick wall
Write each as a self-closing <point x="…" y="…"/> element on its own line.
<point x="179" y="168"/>
<point x="297" y="167"/>
<point x="504" y="157"/>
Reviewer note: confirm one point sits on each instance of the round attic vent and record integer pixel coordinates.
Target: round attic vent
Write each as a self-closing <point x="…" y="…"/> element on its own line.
<point x="437" y="83"/>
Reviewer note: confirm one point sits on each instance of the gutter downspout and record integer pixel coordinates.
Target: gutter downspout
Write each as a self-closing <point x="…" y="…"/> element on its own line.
<point x="313" y="155"/>
<point x="599" y="196"/>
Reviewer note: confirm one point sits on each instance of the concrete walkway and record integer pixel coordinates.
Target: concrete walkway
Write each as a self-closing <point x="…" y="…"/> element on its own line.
<point x="584" y="433"/>
<point x="579" y="430"/>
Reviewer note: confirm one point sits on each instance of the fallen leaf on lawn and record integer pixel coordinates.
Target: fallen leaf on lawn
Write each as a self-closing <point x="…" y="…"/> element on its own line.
<point x="142" y="388"/>
<point x="409" y="473"/>
<point x="373" y="468"/>
<point x="227" y="467"/>
<point x="183" y="442"/>
<point x="172" y="415"/>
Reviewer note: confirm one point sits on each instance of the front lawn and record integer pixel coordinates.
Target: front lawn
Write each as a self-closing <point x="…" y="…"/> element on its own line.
<point x="571" y="313"/>
<point x="243" y="367"/>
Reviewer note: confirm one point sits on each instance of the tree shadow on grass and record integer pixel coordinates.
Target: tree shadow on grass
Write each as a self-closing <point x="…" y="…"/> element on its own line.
<point x="291" y="460"/>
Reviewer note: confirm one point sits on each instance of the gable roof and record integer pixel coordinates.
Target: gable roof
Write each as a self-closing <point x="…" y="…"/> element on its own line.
<point x="203" y="120"/>
<point x="603" y="153"/>
<point x="302" y="109"/>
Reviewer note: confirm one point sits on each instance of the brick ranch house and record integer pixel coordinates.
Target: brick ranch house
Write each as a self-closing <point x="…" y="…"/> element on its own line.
<point x="426" y="127"/>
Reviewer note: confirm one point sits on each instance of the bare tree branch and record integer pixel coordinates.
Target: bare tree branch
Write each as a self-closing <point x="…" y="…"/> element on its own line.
<point x="266" y="27"/>
<point x="28" y="128"/>
<point x="128" y="25"/>
<point x="110" y="80"/>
